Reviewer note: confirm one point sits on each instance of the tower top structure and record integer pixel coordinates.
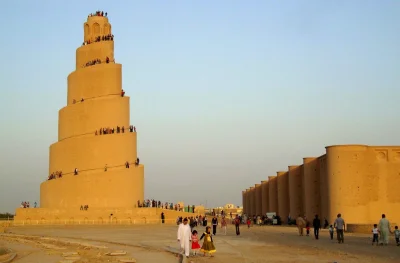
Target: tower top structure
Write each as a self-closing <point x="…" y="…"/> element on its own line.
<point x="97" y="24"/>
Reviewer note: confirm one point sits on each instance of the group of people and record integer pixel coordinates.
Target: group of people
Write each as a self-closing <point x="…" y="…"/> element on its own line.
<point x="98" y="13"/>
<point x="186" y="236"/>
<point x="127" y="164"/>
<point x="74" y="100"/>
<point x="137" y="162"/>
<point x="166" y="205"/>
<point x="108" y="37"/>
<point x="339" y="225"/>
<point x="84" y="207"/>
<point x="263" y="220"/>
<point x="109" y="130"/>
<point x="380" y="231"/>
<point x="193" y="221"/>
<point x="223" y="213"/>
<point x="59" y="174"/>
<point x="82" y="99"/>
<point x="96" y="61"/>
<point x="303" y="222"/>
<point x="92" y="62"/>
<point x="25" y="204"/>
<point x="55" y="175"/>
<point x="203" y="221"/>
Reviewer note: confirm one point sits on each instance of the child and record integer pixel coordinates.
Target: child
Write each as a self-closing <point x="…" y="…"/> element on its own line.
<point x="248" y="222"/>
<point x="208" y="244"/>
<point x="308" y="228"/>
<point x="375" y="234"/>
<point x="331" y="231"/>
<point x="195" y="242"/>
<point x="397" y="235"/>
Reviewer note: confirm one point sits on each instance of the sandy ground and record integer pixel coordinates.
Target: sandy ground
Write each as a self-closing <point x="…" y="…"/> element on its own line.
<point x="155" y="243"/>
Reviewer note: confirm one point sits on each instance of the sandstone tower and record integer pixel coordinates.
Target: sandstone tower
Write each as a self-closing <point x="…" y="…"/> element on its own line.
<point x="94" y="102"/>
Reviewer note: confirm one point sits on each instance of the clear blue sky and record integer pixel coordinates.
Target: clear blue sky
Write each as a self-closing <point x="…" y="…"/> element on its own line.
<point x="223" y="93"/>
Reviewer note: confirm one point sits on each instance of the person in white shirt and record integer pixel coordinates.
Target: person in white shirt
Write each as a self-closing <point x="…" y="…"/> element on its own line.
<point x="184" y="237"/>
<point x="375" y="234"/>
<point x="340" y="227"/>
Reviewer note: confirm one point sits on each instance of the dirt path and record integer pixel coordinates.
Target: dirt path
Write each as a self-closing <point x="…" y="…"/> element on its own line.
<point x="254" y="245"/>
<point x="76" y="250"/>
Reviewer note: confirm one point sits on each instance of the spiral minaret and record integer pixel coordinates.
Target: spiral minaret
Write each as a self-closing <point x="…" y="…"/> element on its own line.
<point x="94" y="102"/>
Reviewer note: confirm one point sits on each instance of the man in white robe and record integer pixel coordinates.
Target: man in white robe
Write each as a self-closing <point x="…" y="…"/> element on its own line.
<point x="384" y="229"/>
<point x="184" y="237"/>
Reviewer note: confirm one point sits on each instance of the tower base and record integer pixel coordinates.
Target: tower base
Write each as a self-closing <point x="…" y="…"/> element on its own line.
<point x="117" y="216"/>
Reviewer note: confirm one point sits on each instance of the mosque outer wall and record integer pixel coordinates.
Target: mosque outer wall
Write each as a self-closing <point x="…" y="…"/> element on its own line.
<point x="311" y="186"/>
<point x="252" y="201"/>
<point x="248" y="200"/>
<point x="246" y="204"/>
<point x="358" y="181"/>
<point x="243" y="200"/>
<point x="323" y="187"/>
<point x="283" y="195"/>
<point x="363" y="183"/>
<point x="264" y="197"/>
<point x="273" y="194"/>
<point x="258" y="200"/>
<point x="295" y="191"/>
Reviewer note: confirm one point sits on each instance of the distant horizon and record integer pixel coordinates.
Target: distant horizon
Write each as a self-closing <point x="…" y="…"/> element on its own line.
<point x="223" y="94"/>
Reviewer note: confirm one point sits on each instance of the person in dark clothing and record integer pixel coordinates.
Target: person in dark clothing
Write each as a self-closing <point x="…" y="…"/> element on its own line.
<point x="162" y="217"/>
<point x="237" y="224"/>
<point x="326" y="223"/>
<point x="316" y="226"/>
<point x="214" y="223"/>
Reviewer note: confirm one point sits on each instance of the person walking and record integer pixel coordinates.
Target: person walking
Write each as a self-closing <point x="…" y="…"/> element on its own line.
<point x="214" y="223"/>
<point x="384" y="230"/>
<point x="208" y="244"/>
<point x="316" y="226"/>
<point x="340" y="227"/>
<point x="184" y="238"/>
<point x="162" y="217"/>
<point x="300" y="222"/>
<point x="223" y="225"/>
<point x="237" y="225"/>
<point x="331" y="231"/>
